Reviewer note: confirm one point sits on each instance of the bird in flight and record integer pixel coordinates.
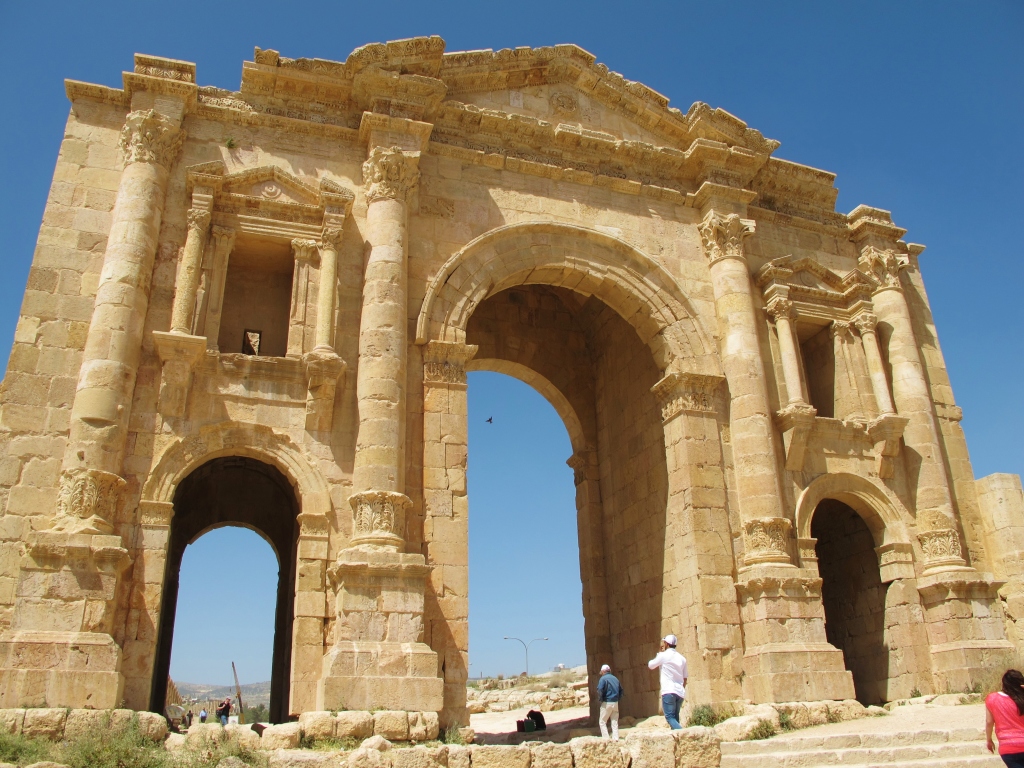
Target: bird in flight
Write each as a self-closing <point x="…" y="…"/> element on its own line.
<point x="490" y="420"/>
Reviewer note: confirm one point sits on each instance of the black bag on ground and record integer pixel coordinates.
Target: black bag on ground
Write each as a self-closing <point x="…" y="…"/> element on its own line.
<point x="538" y="720"/>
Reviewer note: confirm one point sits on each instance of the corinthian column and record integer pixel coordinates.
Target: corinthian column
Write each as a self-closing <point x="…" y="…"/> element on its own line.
<point x="149" y="143"/>
<point x="188" y="271"/>
<point x="866" y="323"/>
<point x="389" y="175"/>
<point x="757" y="475"/>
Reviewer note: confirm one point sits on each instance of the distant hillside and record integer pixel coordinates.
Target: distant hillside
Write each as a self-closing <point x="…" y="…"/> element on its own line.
<point x="252" y="694"/>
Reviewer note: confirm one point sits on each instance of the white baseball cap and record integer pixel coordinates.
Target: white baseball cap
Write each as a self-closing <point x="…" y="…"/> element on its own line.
<point x="670" y="639"/>
<point x="605" y="668"/>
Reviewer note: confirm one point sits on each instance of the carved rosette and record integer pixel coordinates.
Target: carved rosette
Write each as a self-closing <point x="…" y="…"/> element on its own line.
<point x="679" y="392"/>
<point x="941" y="548"/>
<point x="723" y="235"/>
<point x="444" y="362"/>
<point x="87" y="501"/>
<point x="148" y="137"/>
<point x="767" y="540"/>
<point x="389" y="174"/>
<point x="379" y="518"/>
<point x="882" y="266"/>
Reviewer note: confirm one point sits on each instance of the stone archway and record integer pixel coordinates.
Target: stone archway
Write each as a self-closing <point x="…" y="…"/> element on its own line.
<point x="312" y="513"/>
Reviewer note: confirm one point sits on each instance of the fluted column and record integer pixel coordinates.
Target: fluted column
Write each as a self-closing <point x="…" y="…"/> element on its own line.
<point x="188" y="271"/>
<point x="378" y="501"/>
<point x="149" y="143"/>
<point x="866" y="323"/>
<point x="757" y="476"/>
<point x="781" y="311"/>
<point x="328" y="287"/>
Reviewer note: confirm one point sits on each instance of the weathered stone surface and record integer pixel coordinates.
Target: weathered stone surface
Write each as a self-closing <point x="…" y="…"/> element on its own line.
<point x="499" y="756"/>
<point x="284" y="736"/>
<point x="393" y="726"/>
<point x="84" y="722"/>
<point x="548" y="755"/>
<point x="318" y="725"/>
<point x="369" y="758"/>
<point x="45" y="723"/>
<point x="175" y="741"/>
<point x="650" y="748"/>
<point x="353" y="725"/>
<point x="11" y="720"/>
<point x="419" y="757"/>
<point x="697" y="747"/>
<point x="201" y="734"/>
<point x="595" y="752"/>
<point x="459" y="756"/>
<point x="152" y="725"/>
<point x="377" y="741"/>
<point x="231" y="762"/>
<point x="243" y="734"/>
<point x="295" y="758"/>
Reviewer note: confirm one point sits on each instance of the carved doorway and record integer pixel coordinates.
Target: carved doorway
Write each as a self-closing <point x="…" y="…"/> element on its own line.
<point x="244" y="492"/>
<point x="853" y="596"/>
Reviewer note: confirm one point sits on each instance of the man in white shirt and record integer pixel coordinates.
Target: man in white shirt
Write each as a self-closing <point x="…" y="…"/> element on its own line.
<point x="673" y="679"/>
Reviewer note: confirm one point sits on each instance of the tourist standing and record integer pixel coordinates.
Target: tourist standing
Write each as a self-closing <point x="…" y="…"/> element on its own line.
<point x="188" y="719"/>
<point x="1004" y="710"/>
<point x="673" y="679"/>
<point x="609" y="693"/>
<point x="224" y="710"/>
<point x="202" y="715"/>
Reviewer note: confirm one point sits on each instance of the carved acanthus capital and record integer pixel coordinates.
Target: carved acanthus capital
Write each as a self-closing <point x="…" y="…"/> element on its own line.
<point x="389" y="173"/>
<point x="766" y="540"/>
<point x="87" y="501"/>
<point x="198" y="221"/>
<point x="779" y="307"/>
<point x="578" y="464"/>
<point x="679" y="392"/>
<point x="840" y="329"/>
<point x="941" y="548"/>
<point x="379" y="518"/>
<point x="331" y="238"/>
<point x="148" y="137"/>
<point x="223" y="239"/>
<point x="305" y="250"/>
<point x="882" y="266"/>
<point x="444" y="362"/>
<point x="866" y="322"/>
<point x="723" y="235"/>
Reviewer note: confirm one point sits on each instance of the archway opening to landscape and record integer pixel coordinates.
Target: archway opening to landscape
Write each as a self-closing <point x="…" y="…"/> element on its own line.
<point x="853" y="596"/>
<point x="596" y="372"/>
<point x="236" y="492"/>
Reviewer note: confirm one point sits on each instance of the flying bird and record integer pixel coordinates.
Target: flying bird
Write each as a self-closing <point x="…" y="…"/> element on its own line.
<point x="490" y="420"/>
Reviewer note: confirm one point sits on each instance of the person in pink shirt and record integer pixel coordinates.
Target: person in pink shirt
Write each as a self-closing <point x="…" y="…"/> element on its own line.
<point x="1005" y="712"/>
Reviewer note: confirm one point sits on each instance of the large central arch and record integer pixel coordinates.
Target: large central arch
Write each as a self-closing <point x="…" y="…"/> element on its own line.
<point x="582" y="260"/>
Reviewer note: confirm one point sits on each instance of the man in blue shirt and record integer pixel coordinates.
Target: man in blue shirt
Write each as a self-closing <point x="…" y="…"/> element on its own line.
<point x="609" y="691"/>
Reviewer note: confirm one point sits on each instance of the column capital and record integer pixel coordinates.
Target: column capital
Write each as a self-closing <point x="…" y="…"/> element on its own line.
<point x="678" y="392"/>
<point x="578" y="464"/>
<point x="866" y="322"/>
<point x="444" y="362"/>
<point x="767" y="541"/>
<point x="779" y="307"/>
<point x="941" y="549"/>
<point x="331" y="238"/>
<point x="379" y="518"/>
<point x="723" y="235"/>
<point x="223" y="237"/>
<point x="390" y="174"/>
<point x="148" y="137"/>
<point x="198" y="220"/>
<point x="840" y="329"/>
<point x="305" y="250"/>
<point x="882" y="266"/>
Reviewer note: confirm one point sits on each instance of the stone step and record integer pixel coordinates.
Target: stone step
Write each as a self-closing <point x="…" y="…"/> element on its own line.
<point x="843" y="741"/>
<point x="926" y="754"/>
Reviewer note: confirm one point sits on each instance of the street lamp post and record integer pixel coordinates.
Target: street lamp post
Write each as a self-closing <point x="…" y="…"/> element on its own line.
<point x="526" y="647"/>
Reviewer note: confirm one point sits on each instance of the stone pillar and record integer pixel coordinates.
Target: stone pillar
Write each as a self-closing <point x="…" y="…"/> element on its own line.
<point x="849" y="405"/>
<point x="305" y="254"/>
<point x="379" y="659"/>
<point x="757" y="475"/>
<point x="328" y="288"/>
<point x="60" y="650"/>
<point x="223" y="241"/>
<point x="866" y="323"/>
<point x="707" y="619"/>
<point x="187" y="282"/>
<point x="796" y="418"/>
<point x="446" y="517"/>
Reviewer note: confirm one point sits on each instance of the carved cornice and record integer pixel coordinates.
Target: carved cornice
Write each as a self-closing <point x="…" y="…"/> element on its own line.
<point x="444" y="362"/>
<point x="148" y="137"/>
<point x="87" y="501"/>
<point x="723" y="235"/>
<point x="679" y="392"/>
<point x="389" y="174"/>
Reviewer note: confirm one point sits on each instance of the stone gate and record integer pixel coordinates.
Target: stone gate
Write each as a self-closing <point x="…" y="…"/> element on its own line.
<point x="259" y="308"/>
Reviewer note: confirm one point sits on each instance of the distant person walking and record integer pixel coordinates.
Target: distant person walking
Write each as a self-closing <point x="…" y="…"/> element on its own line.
<point x="1004" y="710"/>
<point x="188" y="719"/>
<point x="609" y="693"/>
<point x="203" y="715"/>
<point x="224" y="710"/>
<point x="673" y="679"/>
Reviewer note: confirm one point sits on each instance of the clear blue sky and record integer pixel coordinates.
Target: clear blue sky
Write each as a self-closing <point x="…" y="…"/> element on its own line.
<point x="917" y="106"/>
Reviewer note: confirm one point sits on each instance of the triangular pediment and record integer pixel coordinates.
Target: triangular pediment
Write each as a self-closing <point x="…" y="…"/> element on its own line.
<point x="270" y="183"/>
<point x="808" y="280"/>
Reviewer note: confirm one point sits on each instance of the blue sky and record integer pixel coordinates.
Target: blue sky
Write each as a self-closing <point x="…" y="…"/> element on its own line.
<point x="917" y="106"/>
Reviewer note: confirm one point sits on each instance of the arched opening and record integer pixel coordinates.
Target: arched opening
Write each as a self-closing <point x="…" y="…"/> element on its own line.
<point x="853" y="596"/>
<point x="597" y="372"/>
<point x="245" y="492"/>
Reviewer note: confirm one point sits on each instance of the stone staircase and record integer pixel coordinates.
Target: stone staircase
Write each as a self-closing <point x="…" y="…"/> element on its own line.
<point x="932" y="748"/>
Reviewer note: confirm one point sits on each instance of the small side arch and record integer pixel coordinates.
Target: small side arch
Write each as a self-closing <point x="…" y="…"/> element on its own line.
<point x="232" y="438"/>
<point x="880" y="509"/>
<point x="582" y="260"/>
